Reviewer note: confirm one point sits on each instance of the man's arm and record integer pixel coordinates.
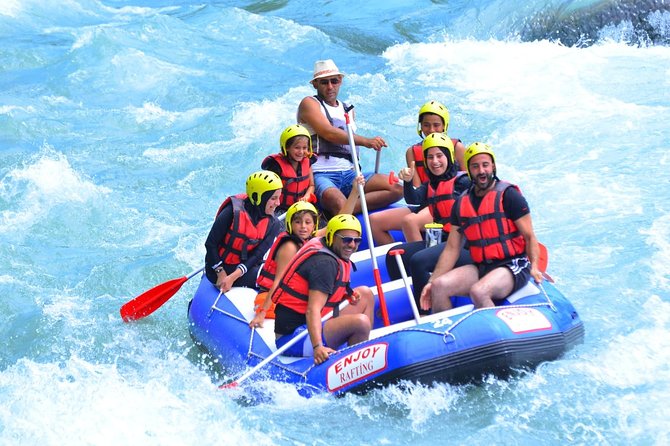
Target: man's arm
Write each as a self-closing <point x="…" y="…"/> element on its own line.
<point x="525" y="226"/>
<point x="315" y="303"/>
<point x="450" y="253"/>
<point x="445" y="263"/>
<point x="309" y="112"/>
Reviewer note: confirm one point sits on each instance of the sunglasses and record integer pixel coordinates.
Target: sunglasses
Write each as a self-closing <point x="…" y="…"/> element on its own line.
<point x="333" y="81"/>
<point x="348" y="240"/>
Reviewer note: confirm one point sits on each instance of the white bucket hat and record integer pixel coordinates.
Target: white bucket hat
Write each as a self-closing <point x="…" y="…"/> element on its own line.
<point x="325" y="68"/>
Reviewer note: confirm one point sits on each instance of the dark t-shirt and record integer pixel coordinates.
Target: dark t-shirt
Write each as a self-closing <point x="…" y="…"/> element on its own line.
<point x="320" y="271"/>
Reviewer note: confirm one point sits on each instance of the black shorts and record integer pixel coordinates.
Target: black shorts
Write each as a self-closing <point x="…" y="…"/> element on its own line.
<point x="519" y="266"/>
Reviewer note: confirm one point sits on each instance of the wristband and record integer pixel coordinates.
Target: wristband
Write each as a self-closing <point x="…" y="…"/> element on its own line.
<point x="314" y="347"/>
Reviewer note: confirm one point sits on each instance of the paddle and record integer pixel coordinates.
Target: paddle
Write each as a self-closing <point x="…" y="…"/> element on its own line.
<point x="543" y="262"/>
<point x="151" y="300"/>
<point x="366" y="219"/>
<point x="377" y="159"/>
<point x="279" y="351"/>
<point x="397" y="253"/>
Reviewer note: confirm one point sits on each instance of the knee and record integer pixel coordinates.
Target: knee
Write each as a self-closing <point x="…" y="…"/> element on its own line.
<point x="441" y="285"/>
<point x="365" y="294"/>
<point x="479" y="293"/>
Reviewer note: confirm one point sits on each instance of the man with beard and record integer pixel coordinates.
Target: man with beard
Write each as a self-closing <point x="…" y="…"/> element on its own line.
<point x="315" y="282"/>
<point x="495" y="220"/>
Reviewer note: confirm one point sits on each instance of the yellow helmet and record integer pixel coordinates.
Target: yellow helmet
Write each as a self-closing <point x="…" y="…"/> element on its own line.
<point x="475" y="149"/>
<point x="435" y="108"/>
<point x="439" y="140"/>
<point x="299" y="206"/>
<point x="292" y="131"/>
<point x="340" y="222"/>
<point x="260" y="182"/>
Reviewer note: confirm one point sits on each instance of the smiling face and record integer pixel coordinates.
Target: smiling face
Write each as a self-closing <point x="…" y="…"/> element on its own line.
<point x="302" y="224"/>
<point x="482" y="171"/>
<point x="431" y="123"/>
<point x="273" y="202"/>
<point x="436" y="161"/>
<point x="328" y="88"/>
<point x="340" y="248"/>
<point x="298" y="148"/>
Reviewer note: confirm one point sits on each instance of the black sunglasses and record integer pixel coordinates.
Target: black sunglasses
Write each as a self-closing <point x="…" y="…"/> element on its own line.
<point x="333" y="81"/>
<point x="348" y="240"/>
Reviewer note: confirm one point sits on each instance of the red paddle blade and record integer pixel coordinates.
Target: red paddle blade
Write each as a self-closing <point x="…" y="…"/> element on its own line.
<point x="231" y="385"/>
<point x="543" y="261"/>
<point x="149" y="301"/>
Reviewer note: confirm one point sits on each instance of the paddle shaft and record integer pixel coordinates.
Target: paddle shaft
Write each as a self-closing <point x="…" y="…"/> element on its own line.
<point x="299" y="337"/>
<point x="366" y="220"/>
<point x="397" y="253"/>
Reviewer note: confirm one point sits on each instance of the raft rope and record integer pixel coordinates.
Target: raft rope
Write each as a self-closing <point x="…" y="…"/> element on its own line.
<point x="445" y="334"/>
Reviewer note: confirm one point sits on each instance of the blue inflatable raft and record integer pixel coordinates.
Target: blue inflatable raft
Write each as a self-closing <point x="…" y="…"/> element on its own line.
<point x="533" y="325"/>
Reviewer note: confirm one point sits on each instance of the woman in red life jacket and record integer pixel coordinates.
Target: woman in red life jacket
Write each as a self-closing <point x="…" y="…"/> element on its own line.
<point x="438" y="194"/>
<point x="301" y="225"/>
<point x="433" y="118"/>
<point x="293" y="165"/>
<point x="243" y="231"/>
<point x="495" y="220"/>
<point x="315" y="282"/>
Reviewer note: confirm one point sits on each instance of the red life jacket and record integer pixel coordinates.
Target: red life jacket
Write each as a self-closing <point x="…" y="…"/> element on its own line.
<point x="491" y="236"/>
<point x="242" y="236"/>
<point x="293" y="291"/>
<point x="266" y="277"/>
<point x="419" y="162"/>
<point x="441" y="200"/>
<point x="295" y="183"/>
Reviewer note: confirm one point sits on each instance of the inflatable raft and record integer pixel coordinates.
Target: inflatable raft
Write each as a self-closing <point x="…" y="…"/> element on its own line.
<point x="533" y="325"/>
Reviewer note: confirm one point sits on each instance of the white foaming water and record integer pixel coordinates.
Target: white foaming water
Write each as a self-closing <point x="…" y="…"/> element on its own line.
<point x="48" y="181"/>
<point x="151" y="116"/>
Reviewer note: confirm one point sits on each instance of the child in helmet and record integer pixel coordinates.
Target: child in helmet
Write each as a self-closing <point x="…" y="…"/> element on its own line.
<point x="293" y="165"/>
<point x="243" y="231"/>
<point x="433" y="118"/>
<point x="302" y="222"/>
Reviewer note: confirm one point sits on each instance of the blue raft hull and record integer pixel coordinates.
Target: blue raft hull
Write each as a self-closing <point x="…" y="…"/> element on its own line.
<point x="460" y="345"/>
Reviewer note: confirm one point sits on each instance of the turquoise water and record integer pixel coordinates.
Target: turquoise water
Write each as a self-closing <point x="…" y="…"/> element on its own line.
<point x="123" y="125"/>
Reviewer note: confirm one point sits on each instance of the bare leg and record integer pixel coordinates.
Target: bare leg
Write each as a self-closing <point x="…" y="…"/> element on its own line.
<point x="379" y="193"/>
<point x="354" y="323"/>
<point x="496" y="284"/>
<point x="332" y="200"/>
<point x="456" y="282"/>
<point x="412" y="224"/>
<point x="385" y="221"/>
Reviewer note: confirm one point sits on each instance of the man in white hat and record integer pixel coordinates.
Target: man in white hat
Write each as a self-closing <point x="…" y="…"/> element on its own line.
<point x="323" y="115"/>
